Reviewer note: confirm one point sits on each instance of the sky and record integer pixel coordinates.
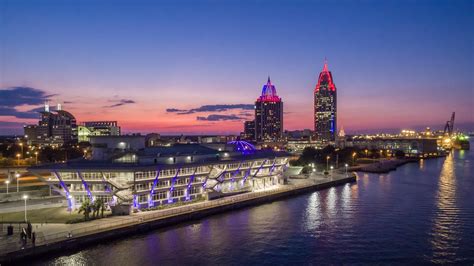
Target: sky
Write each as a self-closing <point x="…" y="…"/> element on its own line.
<point x="197" y="67"/>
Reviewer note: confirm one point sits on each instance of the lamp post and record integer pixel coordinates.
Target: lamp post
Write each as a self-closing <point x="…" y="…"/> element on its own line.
<point x="7" y="182"/>
<point x="346" y="165"/>
<point x="327" y="163"/>
<point x="18" y="159"/>
<point x="353" y="158"/>
<point x="17" y="175"/>
<point x="25" y="197"/>
<point x="21" y="146"/>
<point x="36" y="157"/>
<point x="366" y="153"/>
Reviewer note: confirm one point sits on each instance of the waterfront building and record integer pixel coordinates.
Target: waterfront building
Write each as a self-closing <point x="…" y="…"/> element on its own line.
<point x="128" y="174"/>
<point x="325" y="107"/>
<point x="410" y="146"/>
<point x="56" y="127"/>
<point x="249" y="131"/>
<point x="97" y="128"/>
<point x="268" y="115"/>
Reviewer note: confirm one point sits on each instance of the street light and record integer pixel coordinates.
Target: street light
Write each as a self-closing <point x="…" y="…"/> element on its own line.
<point x="21" y="145"/>
<point x="36" y="157"/>
<point x="366" y="153"/>
<point x="25" y="197"/>
<point x="17" y="175"/>
<point x="327" y="163"/>
<point x="346" y="165"/>
<point x="18" y="159"/>
<point x="7" y="182"/>
<point x="353" y="158"/>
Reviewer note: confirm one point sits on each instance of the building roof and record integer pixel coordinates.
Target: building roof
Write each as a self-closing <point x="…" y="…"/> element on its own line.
<point x="82" y="164"/>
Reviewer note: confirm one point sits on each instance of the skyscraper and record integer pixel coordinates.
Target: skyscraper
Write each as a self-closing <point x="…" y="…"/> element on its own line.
<point x="325" y="106"/>
<point x="268" y="115"/>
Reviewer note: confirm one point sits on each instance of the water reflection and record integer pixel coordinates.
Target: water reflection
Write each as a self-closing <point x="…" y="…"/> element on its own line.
<point x="331" y="199"/>
<point x="313" y="214"/>
<point x="445" y="236"/>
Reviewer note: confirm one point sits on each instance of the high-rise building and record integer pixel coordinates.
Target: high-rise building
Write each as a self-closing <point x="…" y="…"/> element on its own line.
<point x="249" y="130"/>
<point x="54" y="127"/>
<point x="97" y="128"/>
<point x="325" y="107"/>
<point x="268" y="115"/>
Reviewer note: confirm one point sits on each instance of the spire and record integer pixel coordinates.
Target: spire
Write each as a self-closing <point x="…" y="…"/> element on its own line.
<point x="325" y="68"/>
<point x="269" y="93"/>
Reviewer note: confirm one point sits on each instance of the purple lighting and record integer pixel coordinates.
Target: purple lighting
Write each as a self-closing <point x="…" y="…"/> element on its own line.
<point x="151" y="203"/>
<point x="66" y="190"/>
<point x="243" y="146"/>
<point x="173" y="181"/>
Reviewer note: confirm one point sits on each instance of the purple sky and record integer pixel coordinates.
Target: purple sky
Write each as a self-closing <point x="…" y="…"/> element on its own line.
<point x="396" y="64"/>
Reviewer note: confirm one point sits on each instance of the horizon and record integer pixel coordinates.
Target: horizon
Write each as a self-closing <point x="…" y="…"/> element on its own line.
<point x="392" y="64"/>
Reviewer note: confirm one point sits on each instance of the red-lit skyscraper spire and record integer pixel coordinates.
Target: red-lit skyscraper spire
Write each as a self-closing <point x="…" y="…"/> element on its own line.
<point x="325" y="106"/>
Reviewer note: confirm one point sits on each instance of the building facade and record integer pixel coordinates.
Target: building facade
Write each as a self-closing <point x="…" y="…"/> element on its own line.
<point x="249" y="131"/>
<point x="325" y="107"/>
<point x="165" y="175"/>
<point x="54" y="128"/>
<point x="411" y="147"/>
<point x="268" y="115"/>
<point x="97" y="128"/>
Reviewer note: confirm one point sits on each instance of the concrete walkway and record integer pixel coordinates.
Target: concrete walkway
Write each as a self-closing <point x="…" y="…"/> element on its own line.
<point x="51" y="233"/>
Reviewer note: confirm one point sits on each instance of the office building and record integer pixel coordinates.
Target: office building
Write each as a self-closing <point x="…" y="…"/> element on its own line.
<point x="325" y="107"/>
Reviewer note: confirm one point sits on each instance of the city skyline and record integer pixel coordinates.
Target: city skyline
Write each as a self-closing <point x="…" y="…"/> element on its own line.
<point x="164" y="78"/>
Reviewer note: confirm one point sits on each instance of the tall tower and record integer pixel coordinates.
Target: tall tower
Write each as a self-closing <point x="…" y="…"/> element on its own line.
<point x="268" y="115"/>
<point x="325" y="106"/>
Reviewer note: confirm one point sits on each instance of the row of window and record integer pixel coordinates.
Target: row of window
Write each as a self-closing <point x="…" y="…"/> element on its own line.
<point x="161" y="195"/>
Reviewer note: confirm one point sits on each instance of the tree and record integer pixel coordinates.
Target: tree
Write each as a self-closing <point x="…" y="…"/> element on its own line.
<point x="85" y="208"/>
<point x="99" y="206"/>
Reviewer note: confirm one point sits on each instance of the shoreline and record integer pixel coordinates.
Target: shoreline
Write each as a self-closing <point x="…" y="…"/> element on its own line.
<point x="148" y="221"/>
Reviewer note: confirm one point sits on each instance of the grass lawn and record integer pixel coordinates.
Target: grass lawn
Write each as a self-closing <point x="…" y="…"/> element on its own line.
<point x="50" y="215"/>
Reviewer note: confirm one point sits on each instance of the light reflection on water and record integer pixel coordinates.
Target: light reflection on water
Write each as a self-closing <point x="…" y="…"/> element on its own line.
<point x="445" y="230"/>
<point x="416" y="215"/>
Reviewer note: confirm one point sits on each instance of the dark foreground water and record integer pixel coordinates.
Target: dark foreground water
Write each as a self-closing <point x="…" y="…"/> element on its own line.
<point x="420" y="214"/>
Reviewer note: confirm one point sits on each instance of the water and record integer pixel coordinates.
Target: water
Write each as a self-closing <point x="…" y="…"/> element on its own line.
<point x="422" y="213"/>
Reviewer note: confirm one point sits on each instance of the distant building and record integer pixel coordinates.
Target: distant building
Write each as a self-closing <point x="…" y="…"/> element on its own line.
<point x="268" y="115"/>
<point x="154" y="140"/>
<point x="54" y="128"/>
<point x="325" y="107"/>
<point x="97" y="128"/>
<point x="249" y="130"/>
<point x="410" y="146"/>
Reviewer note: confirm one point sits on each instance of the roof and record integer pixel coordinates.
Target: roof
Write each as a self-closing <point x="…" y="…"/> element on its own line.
<point x="179" y="149"/>
<point x="113" y="166"/>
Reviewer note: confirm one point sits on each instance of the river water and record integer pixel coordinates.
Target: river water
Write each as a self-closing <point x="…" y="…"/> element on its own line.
<point x="422" y="213"/>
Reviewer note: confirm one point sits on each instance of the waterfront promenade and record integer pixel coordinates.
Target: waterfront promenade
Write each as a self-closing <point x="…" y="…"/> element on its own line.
<point x="52" y="237"/>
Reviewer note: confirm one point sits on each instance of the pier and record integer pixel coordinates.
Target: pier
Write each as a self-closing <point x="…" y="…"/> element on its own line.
<point x="62" y="237"/>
